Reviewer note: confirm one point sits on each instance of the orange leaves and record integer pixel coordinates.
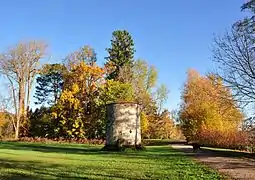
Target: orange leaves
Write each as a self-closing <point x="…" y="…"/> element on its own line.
<point x="230" y="139"/>
<point x="158" y="126"/>
<point x="2" y="119"/>
<point x="207" y="102"/>
<point x="110" y="67"/>
<point x="76" y="109"/>
<point x="81" y="82"/>
<point x="87" y="77"/>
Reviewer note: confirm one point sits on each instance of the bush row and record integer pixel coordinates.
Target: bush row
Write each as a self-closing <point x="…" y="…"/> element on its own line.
<point x="60" y="140"/>
<point x="228" y="140"/>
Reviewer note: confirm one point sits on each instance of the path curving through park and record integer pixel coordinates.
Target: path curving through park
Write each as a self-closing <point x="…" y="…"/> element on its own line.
<point x="232" y="164"/>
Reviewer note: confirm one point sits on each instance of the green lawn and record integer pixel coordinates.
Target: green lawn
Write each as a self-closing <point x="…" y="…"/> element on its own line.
<point x="76" y="161"/>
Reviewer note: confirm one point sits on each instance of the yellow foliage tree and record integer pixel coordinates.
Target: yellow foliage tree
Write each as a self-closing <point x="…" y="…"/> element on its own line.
<point x="160" y="126"/>
<point x="144" y="123"/>
<point x="207" y="104"/>
<point x="75" y="111"/>
<point x="2" y="119"/>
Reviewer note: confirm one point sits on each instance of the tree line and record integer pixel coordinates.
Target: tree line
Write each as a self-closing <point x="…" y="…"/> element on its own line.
<point x="73" y="95"/>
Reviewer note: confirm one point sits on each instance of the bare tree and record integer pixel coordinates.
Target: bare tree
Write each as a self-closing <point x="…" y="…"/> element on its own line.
<point x="86" y="54"/>
<point x="235" y="55"/>
<point x="19" y="65"/>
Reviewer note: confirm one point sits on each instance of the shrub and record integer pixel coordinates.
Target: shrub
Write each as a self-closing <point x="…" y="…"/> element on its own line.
<point x="62" y="140"/>
<point x="237" y="140"/>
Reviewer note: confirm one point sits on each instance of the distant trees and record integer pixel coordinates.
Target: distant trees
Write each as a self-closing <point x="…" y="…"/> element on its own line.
<point x="19" y="65"/>
<point x="160" y="126"/>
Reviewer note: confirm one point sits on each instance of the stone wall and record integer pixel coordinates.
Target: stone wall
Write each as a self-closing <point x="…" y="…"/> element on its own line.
<point x="123" y="124"/>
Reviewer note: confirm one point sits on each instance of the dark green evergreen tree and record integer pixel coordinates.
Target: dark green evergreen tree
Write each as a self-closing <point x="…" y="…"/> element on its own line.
<point x="121" y="52"/>
<point x="49" y="84"/>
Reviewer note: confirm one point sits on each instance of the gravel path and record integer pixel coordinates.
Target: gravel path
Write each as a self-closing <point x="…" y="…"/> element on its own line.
<point x="234" y="167"/>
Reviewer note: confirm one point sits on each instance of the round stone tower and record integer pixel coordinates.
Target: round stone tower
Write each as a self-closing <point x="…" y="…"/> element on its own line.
<point x="123" y="125"/>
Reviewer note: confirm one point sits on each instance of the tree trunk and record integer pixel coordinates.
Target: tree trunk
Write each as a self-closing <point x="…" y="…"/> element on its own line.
<point x="14" y="103"/>
<point x="17" y="129"/>
<point x="21" y="108"/>
<point x="28" y="95"/>
<point x="29" y="88"/>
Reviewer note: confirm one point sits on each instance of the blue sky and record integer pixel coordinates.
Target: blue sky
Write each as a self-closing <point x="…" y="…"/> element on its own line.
<point x="171" y="35"/>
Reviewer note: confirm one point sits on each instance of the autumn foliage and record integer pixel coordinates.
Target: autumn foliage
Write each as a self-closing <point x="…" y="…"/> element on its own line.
<point x="73" y="112"/>
<point x="72" y="96"/>
<point x="209" y="112"/>
<point x="230" y="139"/>
<point x="78" y="91"/>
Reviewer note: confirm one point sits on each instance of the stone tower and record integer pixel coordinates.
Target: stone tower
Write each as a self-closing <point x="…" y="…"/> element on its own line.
<point x="123" y="124"/>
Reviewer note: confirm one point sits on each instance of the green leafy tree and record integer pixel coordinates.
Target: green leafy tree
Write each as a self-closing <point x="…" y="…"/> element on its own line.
<point x="144" y="124"/>
<point x="113" y="91"/>
<point x="49" y="84"/>
<point x="121" y="52"/>
<point x="143" y="79"/>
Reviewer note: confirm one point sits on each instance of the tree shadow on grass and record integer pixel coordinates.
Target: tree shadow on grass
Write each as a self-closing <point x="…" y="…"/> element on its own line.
<point x="21" y="170"/>
<point x="152" y="153"/>
<point x="86" y="149"/>
<point x="162" y="152"/>
<point x="51" y="148"/>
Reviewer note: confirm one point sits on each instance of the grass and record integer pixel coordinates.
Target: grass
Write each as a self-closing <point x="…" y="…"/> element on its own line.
<point x="19" y="160"/>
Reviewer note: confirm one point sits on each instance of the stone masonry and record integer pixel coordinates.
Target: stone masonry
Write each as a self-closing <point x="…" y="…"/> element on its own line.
<point x="123" y="124"/>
